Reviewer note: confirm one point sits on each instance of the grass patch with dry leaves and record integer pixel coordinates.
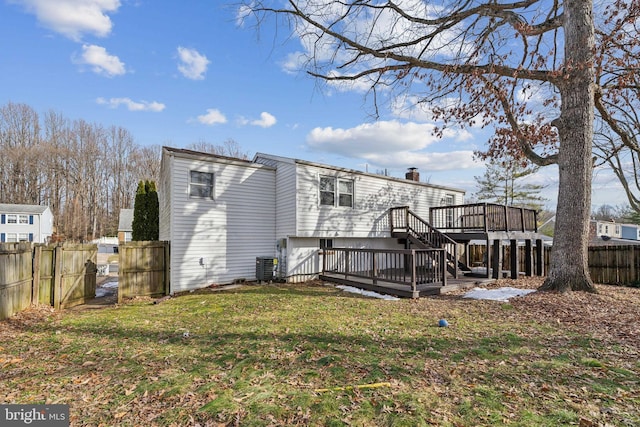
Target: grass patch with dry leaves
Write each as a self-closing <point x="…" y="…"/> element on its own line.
<point x="257" y="356"/>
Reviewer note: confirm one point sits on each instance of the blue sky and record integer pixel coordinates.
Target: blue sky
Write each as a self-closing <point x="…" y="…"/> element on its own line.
<point x="180" y="72"/>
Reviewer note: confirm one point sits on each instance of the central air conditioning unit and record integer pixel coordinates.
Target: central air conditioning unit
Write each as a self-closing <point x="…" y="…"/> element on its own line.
<point x="264" y="269"/>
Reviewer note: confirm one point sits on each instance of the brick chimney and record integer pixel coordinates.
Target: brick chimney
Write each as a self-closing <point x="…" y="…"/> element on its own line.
<point x="413" y="174"/>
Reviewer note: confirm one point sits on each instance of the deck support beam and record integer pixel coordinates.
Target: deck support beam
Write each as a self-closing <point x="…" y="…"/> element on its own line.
<point x="528" y="258"/>
<point x="514" y="259"/>
<point x="496" y="264"/>
<point x="539" y="258"/>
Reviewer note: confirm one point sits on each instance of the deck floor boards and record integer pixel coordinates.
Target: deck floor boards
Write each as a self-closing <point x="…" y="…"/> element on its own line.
<point x="404" y="290"/>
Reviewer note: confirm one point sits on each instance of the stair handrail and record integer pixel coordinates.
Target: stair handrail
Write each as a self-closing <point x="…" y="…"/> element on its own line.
<point x="404" y="220"/>
<point x="410" y="222"/>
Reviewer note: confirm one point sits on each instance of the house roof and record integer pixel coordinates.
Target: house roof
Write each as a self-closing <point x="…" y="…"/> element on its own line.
<point x="22" y="209"/>
<point x="208" y="156"/>
<point x="353" y="171"/>
<point x="125" y="220"/>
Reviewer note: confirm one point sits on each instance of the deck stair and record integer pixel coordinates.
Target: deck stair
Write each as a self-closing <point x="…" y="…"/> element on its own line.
<point x="405" y="224"/>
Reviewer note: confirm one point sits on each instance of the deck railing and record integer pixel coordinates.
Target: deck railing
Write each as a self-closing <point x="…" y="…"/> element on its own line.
<point x="410" y="267"/>
<point x="402" y="220"/>
<point x="483" y="217"/>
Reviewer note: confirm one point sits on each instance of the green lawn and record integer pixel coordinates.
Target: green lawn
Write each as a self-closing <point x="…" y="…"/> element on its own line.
<point x="257" y="356"/>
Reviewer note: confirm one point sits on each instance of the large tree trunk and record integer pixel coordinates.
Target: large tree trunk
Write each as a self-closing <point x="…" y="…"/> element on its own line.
<point x="569" y="268"/>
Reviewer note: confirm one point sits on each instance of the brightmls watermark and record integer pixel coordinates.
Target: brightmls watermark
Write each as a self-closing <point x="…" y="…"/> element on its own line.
<point x="34" y="415"/>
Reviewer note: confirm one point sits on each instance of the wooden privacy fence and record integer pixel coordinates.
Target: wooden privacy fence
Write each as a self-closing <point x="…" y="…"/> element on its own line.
<point x="143" y="269"/>
<point x="62" y="276"/>
<point x="615" y="265"/>
<point x="16" y="278"/>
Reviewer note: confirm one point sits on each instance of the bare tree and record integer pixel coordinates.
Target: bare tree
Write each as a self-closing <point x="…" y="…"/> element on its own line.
<point x="20" y="178"/>
<point x="526" y="67"/>
<point x="229" y="148"/>
<point x="82" y="171"/>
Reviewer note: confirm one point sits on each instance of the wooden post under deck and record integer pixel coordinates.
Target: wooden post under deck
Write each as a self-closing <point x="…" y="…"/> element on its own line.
<point x="496" y="263"/>
<point x="528" y="258"/>
<point x="514" y="259"/>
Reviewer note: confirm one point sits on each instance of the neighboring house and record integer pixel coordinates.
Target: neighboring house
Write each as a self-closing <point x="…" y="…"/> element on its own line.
<point x="600" y="228"/>
<point x="125" y="227"/>
<point x="612" y="233"/>
<point x="28" y="223"/>
<point x="221" y="214"/>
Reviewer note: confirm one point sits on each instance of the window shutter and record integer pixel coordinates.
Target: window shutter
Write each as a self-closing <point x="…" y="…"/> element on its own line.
<point x="2" y="237"/>
<point x="31" y="219"/>
<point x="2" y="219"/>
<point x="31" y="237"/>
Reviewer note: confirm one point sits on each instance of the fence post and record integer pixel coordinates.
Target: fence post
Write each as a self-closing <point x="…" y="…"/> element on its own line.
<point x="167" y="268"/>
<point x="57" y="277"/>
<point x="35" y="284"/>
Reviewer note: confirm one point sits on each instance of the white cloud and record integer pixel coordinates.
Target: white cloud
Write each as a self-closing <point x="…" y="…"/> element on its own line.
<point x="378" y="137"/>
<point x="193" y="65"/>
<point x="425" y="161"/>
<point x="132" y="105"/>
<point x="73" y="18"/>
<point x="101" y="61"/>
<point x="392" y="144"/>
<point x="212" y="117"/>
<point x="266" y="120"/>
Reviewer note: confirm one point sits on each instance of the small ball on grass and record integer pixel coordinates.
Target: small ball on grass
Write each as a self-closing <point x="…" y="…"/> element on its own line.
<point x="443" y="323"/>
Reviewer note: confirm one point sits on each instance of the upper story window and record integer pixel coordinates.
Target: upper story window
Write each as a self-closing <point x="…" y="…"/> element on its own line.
<point x="336" y="190"/>
<point x="201" y="185"/>
<point x="23" y="219"/>
<point x="12" y="219"/>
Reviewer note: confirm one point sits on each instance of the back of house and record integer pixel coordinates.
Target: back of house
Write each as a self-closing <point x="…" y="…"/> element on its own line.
<point x="223" y="215"/>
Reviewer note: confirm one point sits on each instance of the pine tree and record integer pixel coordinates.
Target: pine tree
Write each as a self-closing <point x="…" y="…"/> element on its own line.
<point x="146" y="212"/>
<point x="501" y="184"/>
<point x="139" y="213"/>
<point x="153" y="212"/>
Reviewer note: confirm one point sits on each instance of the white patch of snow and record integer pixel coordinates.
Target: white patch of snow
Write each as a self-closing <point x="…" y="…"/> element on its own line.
<point x="500" y="294"/>
<point x="112" y="285"/>
<point x="362" y="292"/>
<point x="106" y="289"/>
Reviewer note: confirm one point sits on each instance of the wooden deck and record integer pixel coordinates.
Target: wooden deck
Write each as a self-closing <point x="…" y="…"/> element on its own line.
<point x="405" y="290"/>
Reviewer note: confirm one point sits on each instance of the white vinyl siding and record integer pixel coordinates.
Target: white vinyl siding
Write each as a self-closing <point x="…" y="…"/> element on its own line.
<point x="217" y="240"/>
<point x="285" y="194"/>
<point x="373" y="196"/>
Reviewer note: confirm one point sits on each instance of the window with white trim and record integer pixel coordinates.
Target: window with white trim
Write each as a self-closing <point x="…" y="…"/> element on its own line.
<point x="11" y="237"/>
<point x="23" y="219"/>
<point x="336" y="192"/>
<point x="12" y="219"/>
<point x="201" y="185"/>
<point x="23" y="237"/>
